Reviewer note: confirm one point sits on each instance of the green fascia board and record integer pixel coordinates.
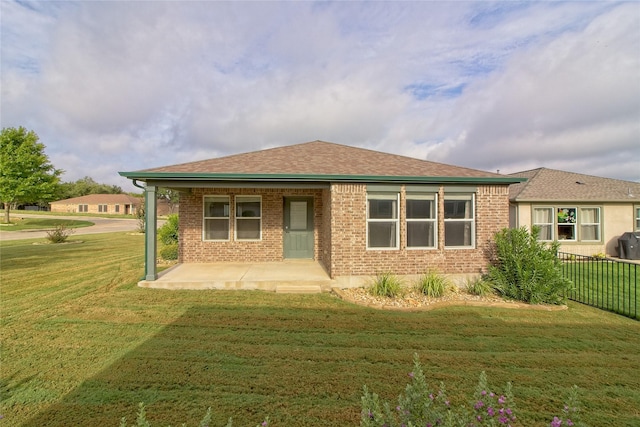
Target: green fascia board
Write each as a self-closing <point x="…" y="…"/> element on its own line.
<point x="190" y="176"/>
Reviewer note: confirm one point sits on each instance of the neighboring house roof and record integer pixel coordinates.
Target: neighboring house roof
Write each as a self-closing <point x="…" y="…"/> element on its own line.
<point x="101" y="199"/>
<point x="548" y="185"/>
<point x="318" y="161"/>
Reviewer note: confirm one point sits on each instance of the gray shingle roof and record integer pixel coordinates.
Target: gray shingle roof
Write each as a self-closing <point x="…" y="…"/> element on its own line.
<point x="323" y="158"/>
<point x="555" y="185"/>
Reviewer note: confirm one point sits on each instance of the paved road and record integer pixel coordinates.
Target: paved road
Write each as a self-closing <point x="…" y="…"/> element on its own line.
<point x="102" y="225"/>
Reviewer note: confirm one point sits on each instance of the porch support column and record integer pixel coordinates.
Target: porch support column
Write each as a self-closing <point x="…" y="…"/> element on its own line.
<point x="151" y="233"/>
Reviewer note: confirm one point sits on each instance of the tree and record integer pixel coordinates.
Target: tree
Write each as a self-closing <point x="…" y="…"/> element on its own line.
<point x="171" y="196"/>
<point x="84" y="186"/>
<point x="26" y="175"/>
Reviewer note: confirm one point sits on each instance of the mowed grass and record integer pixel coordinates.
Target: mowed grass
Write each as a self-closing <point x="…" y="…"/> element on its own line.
<point x="18" y="224"/>
<point x="83" y="345"/>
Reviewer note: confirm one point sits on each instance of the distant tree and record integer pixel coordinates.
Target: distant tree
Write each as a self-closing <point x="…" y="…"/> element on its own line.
<point x="26" y="175"/>
<point x="84" y="186"/>
<point x="171" y="196"/>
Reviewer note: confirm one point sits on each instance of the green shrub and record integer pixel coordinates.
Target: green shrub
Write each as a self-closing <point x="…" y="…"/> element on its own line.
<point x="168" y="233"/>
<point x="526" y="269"/>
<point x="59" y="234"/>
<point x="432" y="284"/>
<point x="479" y="286"/>
<point x="140" y="219"/>
<point x="169" y="252"/>
<point x="386" y="285"/>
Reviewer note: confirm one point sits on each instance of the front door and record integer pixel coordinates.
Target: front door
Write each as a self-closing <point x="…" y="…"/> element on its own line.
<point x="298" y="227"/>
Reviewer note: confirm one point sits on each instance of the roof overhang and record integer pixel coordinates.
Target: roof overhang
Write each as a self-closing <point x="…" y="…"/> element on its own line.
<point x="174" y="179"/>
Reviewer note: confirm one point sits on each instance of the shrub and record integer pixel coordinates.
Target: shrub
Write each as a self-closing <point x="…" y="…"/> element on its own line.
<point x="526" y="269"/>
<point x="386" y="285"/>
<point x="432" y="284"/>
<point x="168" y="233"/>
<point x="141" y="420"/>
<point x="140" y="218"/>
<point x="169" y="252"/>
<point x="59" y="234"/>
<point x="479" y="286"/>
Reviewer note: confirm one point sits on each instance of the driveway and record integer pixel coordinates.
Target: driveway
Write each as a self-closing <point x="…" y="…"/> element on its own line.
<point x="101" y="225"/>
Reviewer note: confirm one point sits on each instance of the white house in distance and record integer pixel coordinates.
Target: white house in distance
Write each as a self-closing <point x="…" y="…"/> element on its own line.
<point x="586" y="214"/>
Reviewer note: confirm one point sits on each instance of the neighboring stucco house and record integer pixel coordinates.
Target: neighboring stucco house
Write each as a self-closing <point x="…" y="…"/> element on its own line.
<point x="356" y="211"/>
<point x="99" y="203"/>
<point x="586" y="214"/>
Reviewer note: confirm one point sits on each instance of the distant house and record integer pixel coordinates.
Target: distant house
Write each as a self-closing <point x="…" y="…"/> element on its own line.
<point x="357" y="212"/>
<point x="586" y="214"/>
<point x="99" y="203"/>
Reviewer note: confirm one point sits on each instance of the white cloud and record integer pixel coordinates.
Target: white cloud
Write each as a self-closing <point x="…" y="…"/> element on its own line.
<point x="114" y="86"/>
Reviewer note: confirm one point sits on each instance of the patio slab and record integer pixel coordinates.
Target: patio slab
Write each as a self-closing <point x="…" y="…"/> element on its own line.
<point x="291" y="276"/>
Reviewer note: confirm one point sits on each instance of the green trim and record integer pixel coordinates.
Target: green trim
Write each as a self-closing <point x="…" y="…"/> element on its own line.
<point x="193" y="176"/>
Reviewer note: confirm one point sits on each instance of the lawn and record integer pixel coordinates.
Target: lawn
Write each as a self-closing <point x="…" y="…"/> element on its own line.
<point x="19" y="224"/>
<point x="82" y="345"/>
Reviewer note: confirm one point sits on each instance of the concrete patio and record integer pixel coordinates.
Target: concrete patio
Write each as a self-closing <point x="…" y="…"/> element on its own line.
<point x="291" y="276"/>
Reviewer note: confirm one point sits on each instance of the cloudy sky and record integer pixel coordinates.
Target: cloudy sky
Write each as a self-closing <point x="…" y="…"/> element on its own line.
<point x="120" y="86"/>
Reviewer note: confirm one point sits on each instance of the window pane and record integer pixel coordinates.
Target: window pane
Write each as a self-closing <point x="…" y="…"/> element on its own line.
<point x="566" y="215"/>
<point x="419" y="209"/>
<point x="590" y="232"/>
<point x="589" y="215"/>
<point x="218" y="208"/>
<point x="457" y="233"/>
<point x="248" y="208"/>
<point x="216" y="229"/>
<point x="542" y="216"/>
<point x="382" y="234"/>
<point x="420" y="234"/>
<point x="457" y="209"/>
<point x="383" y="209"/>
<point x="566" y="232"/>
<point x="248" y="229"/>
<point x="545" y="232"/>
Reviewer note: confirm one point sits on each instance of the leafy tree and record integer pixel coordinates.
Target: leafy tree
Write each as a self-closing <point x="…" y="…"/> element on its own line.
<point x="171" y="196"/>
<point x="26" y="175"/>
<point x="84" y="186"/>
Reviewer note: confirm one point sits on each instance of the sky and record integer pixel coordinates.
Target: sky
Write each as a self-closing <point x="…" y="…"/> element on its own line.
<point x="122" y="86"/>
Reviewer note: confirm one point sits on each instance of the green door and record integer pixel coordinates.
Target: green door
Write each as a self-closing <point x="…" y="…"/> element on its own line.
<point x="298" y="227"/>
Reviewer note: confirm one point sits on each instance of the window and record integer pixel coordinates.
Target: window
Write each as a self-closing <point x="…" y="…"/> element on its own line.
<point x="216" y="218"/>
<point x="117" y="208"/>
<point x="590" y="224"/>
<point x="543" y="218"/>
<point x="566" y="223"/>
<point x="421" y="220"/>
<point x="382" y="221"/>
<point x="637" y="209"/>
<point x="102" y="208"/>
<point x="83" y="208"/>
<point x="248" y="218"/>
<point x="459" y="221"/>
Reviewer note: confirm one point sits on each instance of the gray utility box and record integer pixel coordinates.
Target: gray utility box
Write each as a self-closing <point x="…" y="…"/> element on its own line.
<point x="629" y="245"/>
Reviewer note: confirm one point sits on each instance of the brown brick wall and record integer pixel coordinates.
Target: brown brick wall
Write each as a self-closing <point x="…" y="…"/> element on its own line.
<point x="193" y="249"/>
<point x="340" y="232"/>
<point x="91" y="208"/>
<point x="350" y="257"/>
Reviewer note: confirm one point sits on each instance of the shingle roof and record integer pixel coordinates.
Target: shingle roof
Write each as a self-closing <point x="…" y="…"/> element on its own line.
<point x="319" y="158"/>
<point x="101" y="199"/>
<point x="555" y="185"/>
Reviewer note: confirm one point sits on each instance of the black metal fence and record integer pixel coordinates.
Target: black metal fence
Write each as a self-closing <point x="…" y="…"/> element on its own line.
<point x="604" y="283"/>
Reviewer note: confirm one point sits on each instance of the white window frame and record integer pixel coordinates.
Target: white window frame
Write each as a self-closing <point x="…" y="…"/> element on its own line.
<point x="205" y="217"/>
<point x="583" y="224"/>
<point x="83" y="208"/>
<point x="558" y="209"/>
<point x="103" y="208"/>
<point x="636" y="210"/>
<point x="116" y="208"/>
<point x="433" y="197"/>
<point x="240" y="199"/>
<point x="471" y="221"/>
<point x="551" y="225"/>
<point x="385" y="196"/>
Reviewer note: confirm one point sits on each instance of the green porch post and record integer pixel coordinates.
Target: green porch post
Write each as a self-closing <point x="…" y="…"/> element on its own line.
<point x="151" y="233"/>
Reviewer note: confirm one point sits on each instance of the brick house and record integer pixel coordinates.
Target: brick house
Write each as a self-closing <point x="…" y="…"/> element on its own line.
<point x="355" y="211"/>
<point x="586" y="214"/>
<point x="122" y="204"/>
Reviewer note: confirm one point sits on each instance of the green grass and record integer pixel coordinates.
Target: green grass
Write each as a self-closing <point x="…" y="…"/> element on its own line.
<point x="606" y="284"/>
<point x="83" y="345"/>
<point x="19" y="224"/>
